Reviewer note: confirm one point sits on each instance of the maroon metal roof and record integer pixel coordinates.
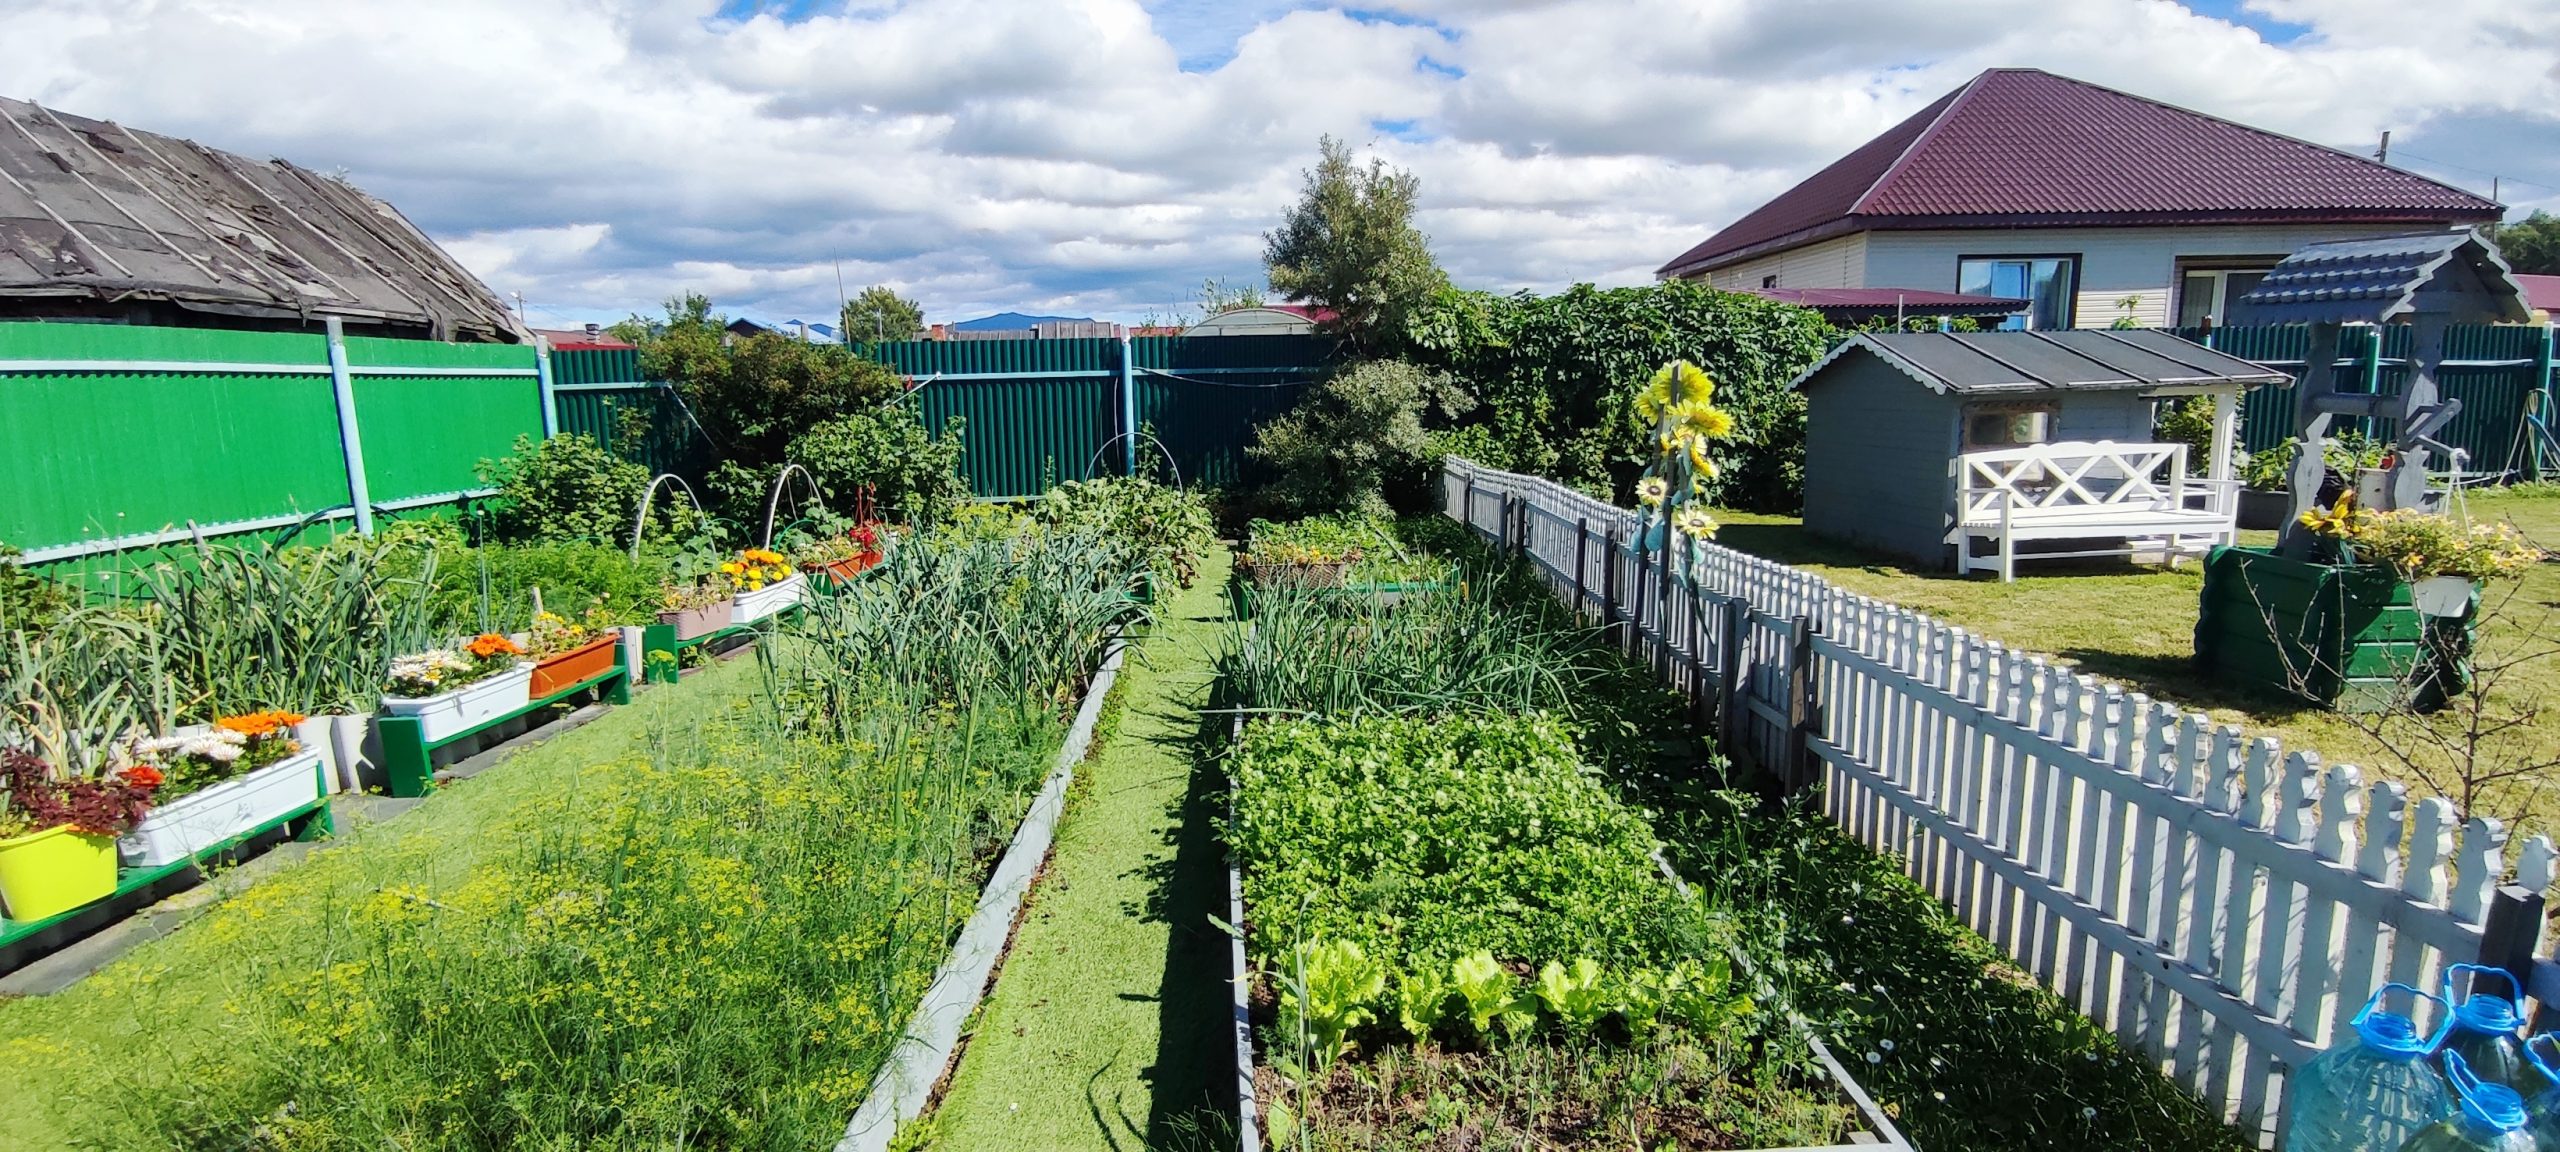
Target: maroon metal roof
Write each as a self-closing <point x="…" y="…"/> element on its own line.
<point x="2541" y="292"/>
<point x="2019" y="147"/>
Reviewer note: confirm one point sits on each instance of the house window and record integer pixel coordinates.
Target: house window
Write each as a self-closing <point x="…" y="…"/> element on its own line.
<point x="2009" y="424"/>
<point x="2210" y="291"/>
<point x="2046" y="283"/>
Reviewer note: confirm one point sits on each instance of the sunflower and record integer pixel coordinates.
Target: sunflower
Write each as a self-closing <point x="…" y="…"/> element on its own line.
<point x="1651" y="490"/>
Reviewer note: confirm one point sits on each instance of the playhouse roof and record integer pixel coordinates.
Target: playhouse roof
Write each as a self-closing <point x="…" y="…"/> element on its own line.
<point x="2458" y="274"/>
<point x="2031" y="363"/>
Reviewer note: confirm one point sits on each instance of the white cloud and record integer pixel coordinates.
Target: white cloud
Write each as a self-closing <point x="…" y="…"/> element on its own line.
<point x="1059" y="155"/>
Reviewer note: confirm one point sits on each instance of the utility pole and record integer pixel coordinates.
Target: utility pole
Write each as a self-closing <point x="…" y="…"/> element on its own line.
<point x="519" y="307"/>
<point x="2382" y="155"/>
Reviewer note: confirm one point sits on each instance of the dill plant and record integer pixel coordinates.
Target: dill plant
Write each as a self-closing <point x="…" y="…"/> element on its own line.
<point x="712" y="943"/>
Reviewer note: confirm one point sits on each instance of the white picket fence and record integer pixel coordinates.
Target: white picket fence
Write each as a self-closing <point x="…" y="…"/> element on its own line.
<point x="2219" y="902"/>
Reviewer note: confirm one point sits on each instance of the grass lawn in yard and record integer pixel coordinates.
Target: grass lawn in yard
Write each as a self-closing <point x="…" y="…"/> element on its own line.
<point x="2136" y="625"/>
<point x="1104" y="1028"/>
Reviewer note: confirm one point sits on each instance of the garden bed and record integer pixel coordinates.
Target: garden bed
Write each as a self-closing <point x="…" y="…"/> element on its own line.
<point x="1566" y="1055"/>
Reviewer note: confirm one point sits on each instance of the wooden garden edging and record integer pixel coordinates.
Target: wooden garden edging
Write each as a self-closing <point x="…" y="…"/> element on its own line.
<point x="2218" y="902"/>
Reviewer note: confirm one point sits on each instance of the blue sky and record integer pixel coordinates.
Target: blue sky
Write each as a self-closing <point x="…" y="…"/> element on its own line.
<point x="1103" y="157"/>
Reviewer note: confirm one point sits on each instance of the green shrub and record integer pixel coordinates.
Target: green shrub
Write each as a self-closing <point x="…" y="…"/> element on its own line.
<point x="1160" y="529"/>
<point x="1355" y="443"/>
<point x="914" y="475"/>
<point x="28" y="600"/>
<point x="570" y="488"/>
<point x="1557" y="378"/>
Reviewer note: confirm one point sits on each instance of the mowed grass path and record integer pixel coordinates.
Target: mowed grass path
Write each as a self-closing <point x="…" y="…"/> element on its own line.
<point x="2136" y="625"/>
<point x="71" y="1060"/>
<point x="1104" y="1030"/>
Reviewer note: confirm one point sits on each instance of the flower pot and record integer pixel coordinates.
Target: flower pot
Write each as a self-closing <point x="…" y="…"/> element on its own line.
<point x="2261" y="511"/>
<point x="2443" y="597"/>
<point x="54" y="871"/>
<point x="852" y="566"/>
<point x="697" y="622"/>
<point x="555" y="674"/>
<point x="350" y="749"/>
<point x="787" y="592"/>
<point x="200" y="820"/>
<point x="449" y="714"/>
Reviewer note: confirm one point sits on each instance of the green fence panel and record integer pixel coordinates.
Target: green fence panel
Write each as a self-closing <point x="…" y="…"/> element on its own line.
<point x="596" y="366"/>
<point x="2492" y="369"/>
<point x="426" y="434"/>
<point x="1203" y="397"/>
<point x="1019" y="435"/>
<point x="114" y="446"/>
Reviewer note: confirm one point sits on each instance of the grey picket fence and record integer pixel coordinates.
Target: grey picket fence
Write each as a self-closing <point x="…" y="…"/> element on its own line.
<point x="2220" y="902"/>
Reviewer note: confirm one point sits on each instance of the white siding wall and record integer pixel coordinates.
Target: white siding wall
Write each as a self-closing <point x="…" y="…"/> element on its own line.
<point x="1839" y="262"/>
<point x="2114" y="262"/>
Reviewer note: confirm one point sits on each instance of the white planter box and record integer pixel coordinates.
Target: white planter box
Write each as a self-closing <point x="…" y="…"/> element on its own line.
<point x="468" y="707"/>
<point x="198" y="821"/>
<point x="784" y="593"/>
<point x="2441" y="596"/>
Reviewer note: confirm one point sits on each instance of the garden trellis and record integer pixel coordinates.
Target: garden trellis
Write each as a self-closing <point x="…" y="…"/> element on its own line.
<point x="2217" y="900"/>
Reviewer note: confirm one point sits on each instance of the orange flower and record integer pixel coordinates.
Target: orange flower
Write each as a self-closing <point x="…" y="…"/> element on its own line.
<point x="144" y="776"/>
<point x="264" y="722"/>
<point x="490" y="644"/>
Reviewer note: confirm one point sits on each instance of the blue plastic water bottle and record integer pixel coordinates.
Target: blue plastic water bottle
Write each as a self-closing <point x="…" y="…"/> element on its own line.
<point x="2375" y="1091"/>
<point x="2542" y="1109"/>
<point x="2492" y="1117"/>
<point x="2485" y="1027"/>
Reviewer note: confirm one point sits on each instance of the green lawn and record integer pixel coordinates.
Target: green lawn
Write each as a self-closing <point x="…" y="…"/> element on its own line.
<point x="2136" y="625"/>
<point x="1105" y="1027"/>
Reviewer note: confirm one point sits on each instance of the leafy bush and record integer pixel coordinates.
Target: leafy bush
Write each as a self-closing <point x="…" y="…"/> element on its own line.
<point x="1161" y="529"/>
<point x="2189" y="421"/>
<point x="1558" y="378"/>
<point x="568" y="488"/>
<point x="1434" y="839"/>
<point x="28" y="600"/>
<point x="1355" y="443"/>
<point x="913" y="474"/>
<point x="753" y="394"/>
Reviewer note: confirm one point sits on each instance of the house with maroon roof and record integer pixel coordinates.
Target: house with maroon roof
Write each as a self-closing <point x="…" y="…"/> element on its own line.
<point x="2090" y="204"/>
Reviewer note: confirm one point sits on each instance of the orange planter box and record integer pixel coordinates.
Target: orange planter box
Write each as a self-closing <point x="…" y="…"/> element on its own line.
<point x="575" y="666"/>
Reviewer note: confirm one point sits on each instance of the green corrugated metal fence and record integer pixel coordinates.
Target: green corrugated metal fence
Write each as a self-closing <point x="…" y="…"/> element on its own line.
<point x="1033" y="412"/>
<point x="119" y="437"/>
<point x="2495" y="370"/>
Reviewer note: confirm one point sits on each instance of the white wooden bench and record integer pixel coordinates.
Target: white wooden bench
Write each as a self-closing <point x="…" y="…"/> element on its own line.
<point x="2136" y="498"/>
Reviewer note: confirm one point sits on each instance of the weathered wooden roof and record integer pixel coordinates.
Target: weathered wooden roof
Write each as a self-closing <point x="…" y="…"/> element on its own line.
<point x="2457" y="274"/>
<point x="1971" y="363"/>
<point x="93" y="210"/>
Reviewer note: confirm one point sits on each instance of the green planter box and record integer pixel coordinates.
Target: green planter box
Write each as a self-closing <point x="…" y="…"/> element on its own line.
<point x="1382" y="593"/>
<point x="2345" y="636"/>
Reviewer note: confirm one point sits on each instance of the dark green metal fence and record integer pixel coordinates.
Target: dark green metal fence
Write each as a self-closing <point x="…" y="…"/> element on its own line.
<point x="120" y="438"/>
<point x="2499" y="372"/>
<point x="1032" y="412"/>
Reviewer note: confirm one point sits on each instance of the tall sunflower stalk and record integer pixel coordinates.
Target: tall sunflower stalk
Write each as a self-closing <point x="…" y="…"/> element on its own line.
<point x="1680" y="400"/>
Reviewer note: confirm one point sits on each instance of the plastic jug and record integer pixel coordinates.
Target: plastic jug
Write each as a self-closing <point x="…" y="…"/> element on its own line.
<point x="2375" y="1091"/>
<point x="2542" y="1109"/>
<point x="2492" y="1117"/>
<point x="2485" y="1027"/>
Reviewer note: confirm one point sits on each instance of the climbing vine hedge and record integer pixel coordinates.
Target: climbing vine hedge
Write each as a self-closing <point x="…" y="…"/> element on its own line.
<point x="1556" y="379"/>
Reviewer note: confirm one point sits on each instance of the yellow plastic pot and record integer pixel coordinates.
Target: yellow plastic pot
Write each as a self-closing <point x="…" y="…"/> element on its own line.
<point x="54" y="871"/>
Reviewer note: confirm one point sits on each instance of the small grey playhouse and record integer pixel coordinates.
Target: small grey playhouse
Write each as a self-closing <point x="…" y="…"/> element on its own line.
<point x="1976" y="450"/>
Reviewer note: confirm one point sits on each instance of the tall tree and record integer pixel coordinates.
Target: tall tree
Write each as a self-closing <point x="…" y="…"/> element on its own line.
<point x="2532" y="245"/>
<point x="1349" y="244"/>
<point x="879" y="313"/>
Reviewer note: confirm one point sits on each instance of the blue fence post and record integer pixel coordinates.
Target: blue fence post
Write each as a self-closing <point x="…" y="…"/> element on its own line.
<point x="350" y="440"/>
<point x="543" y="381"/>
<point x="1128" y="406"/>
